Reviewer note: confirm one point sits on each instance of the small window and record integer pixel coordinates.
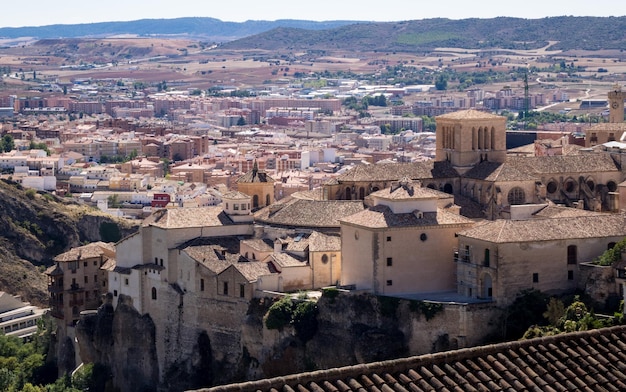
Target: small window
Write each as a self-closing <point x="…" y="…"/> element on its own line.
<point x="126" y="281"/>
<point x="86" y="279"/>
<point x="95" y="262"/>
<point x="87" y="295"/>
<point x="156" y="260"/>
<point x="242" y="290"/>
<point x="390" y="282"/>
<point x="570" y="275"/>
<point x="535" y="277"/>
<point x="389" y="261"/>
<point x="154" y="293"/>
<point x="84" y="263"/>
<point x="572" y="254"/>
<point x="201" y="284"/>
<point x="423" y="237"/>
<point x="225" y="288"/>
<point x="115" y="293"/>
<point x="236" y="207"/>
<point x="388" y="238"/>
<point x="95" y="278"/>
<point x="161" y="261"/>
<point x="324" y="259"/>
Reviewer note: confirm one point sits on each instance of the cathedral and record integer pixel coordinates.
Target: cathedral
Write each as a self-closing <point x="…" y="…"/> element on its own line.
<point x="471" y="163"/>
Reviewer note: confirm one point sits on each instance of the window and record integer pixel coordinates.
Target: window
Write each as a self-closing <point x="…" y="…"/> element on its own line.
<point x="95" y="263"/>
<point x="226" y="205"/>
<point x="423" y="237"/>
<point x="242" y="290"/>
<point x="156" y="260"/>
<point x="87" y="295"/>
<point x="389" y="261"/>
<point x="225" y="288"/>
<point x="572" y="254"/>
<point x="516" y="196"/>
<point x="388" y="239"/>
<point x="487" y="257"/>
<point x="95" y="278"/>
<point x="115" y="293"/>
<point x="324" y="259"/>
<point x="201" y="284"/>
<point x="236" y="207"/>
<point x="535" y="277"/>
<point x="161" y="261"/>
<point x="86" y="279"/>
<point x="243" y="207"/>
<point x="84" y="263"/>
<point x="390" y="282"/>
<point x="154" y="293"/>
<point x="126" y="281"/>
<point x="570" y="275"/>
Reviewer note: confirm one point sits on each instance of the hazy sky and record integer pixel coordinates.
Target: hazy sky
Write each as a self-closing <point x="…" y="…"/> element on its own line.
<point x="40" y="12"/>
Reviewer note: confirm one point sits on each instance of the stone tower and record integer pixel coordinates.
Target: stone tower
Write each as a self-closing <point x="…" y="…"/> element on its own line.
<point x="616" y="105"/>
<point x="468" y="137"/>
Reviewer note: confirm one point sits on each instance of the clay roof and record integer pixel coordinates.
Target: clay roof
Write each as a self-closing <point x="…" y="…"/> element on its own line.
<point x="176" y="218"/>
<point x="610" y="127"/>
<point x="501" y="172"/>
<point x="470" y="114"/>
<point x="592" y="360"/>
<point x="407" y="190"/>
<point x="308" y="213"/>
<point x="380" y="216"/>
<point x="529" y="168"/>
<point x="93" y="250"/>
<point x="549" y="228"/>
<point x="235" y="195"/>
<point x="319" y="242"/>
<point x="582" y="163"/>
<point x="255" y="176"/>
<point x="397" y="171"/>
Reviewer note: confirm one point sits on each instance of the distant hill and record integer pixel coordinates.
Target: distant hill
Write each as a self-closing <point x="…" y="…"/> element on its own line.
<point x="202" y="28"/>
<point x="571" y="33"/>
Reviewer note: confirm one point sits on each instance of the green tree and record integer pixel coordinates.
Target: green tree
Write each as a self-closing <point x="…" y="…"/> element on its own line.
<point x="441" y="83"/>
<point x="7" y="143"/>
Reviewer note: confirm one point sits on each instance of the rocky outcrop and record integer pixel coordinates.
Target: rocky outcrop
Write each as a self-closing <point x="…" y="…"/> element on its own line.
<point x="35" y="227"/>
<point x="179" y="354"/>
<point x="124" y="341"/>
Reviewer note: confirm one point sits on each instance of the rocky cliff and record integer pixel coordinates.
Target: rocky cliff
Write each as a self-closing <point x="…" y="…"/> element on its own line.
<point x="173" y="354"/>
<point x="35" y="227"/>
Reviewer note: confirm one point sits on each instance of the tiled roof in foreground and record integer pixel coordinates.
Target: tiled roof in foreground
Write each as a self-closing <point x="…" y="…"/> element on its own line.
<point x="582" y="361"/>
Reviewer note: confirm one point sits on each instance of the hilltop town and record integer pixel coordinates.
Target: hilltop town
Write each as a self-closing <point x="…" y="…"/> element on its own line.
<point x="293" y="220"/>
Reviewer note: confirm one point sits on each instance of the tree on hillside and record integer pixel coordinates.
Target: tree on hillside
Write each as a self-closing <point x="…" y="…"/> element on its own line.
<point x="7" y="143"/>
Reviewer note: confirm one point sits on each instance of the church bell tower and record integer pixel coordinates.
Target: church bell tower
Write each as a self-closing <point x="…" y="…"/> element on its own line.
<point x="616" y="105"/>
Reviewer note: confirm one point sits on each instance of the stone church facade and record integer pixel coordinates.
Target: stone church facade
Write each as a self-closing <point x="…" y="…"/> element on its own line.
<point x="471" y="163"/>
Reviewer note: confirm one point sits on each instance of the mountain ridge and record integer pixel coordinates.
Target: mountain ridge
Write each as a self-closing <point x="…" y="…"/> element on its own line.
<point x="570" y="32"/>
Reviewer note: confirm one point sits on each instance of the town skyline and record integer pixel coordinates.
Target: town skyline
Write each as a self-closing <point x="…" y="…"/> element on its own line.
<point x="73" y="12"/>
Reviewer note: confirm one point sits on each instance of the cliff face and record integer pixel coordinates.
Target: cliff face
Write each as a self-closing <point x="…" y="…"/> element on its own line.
<point x="34" y="228"/>
<point x="232" y="343"/>
<point x="124" y="340"/>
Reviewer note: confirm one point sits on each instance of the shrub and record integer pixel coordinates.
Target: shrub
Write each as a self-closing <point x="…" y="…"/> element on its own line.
<point x="30" y="193"/>
<point x="279" y="314"/>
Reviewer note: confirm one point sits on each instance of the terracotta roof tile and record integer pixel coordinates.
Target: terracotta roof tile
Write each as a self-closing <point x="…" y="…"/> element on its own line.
<point x="554" y="363"/>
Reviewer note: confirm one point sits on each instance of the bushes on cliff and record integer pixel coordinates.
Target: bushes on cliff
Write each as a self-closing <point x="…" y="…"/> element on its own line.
<point x="301" y="314"/>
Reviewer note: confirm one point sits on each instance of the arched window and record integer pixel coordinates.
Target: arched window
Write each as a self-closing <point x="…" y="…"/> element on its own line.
<point x="267" y="200"/>
<point x="361" y="193"/>
<point x="448" y="188"/>
<point x="348" y="193"/>
<point x="154" y="294"/>
<point x="255" y="201"/>
<point x="516" y="196"/>
<point x="572" y="254"/>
